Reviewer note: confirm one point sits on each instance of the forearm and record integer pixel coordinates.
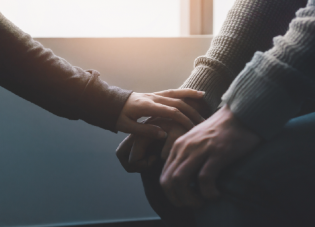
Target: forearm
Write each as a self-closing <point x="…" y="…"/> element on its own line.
<point x="249" y="27"/>
<point x="38" y="75"/>
<point x="274" y="85"/>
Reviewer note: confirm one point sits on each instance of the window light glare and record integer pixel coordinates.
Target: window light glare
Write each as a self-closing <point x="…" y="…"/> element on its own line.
<point x="94" y="18"/>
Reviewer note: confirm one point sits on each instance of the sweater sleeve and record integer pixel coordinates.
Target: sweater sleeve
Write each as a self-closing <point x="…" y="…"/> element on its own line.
<point x="39" y="76"/>
<point x="274" y="85"/>
<point x="249" y="27"/>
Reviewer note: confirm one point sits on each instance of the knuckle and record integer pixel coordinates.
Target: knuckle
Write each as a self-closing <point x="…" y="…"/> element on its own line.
<point x="164" y="182"/>
<point x="189" y="91"/>
<point x="174" y="110"/>
<point x="148" y="95"/>
<point x="179" y="142"/>
<point x="146" y="106"/>
<point x="171" y="92"/>
<point x="147" y="103"/>
<point x="179" y="102"/>
<point x="176" y="145"/>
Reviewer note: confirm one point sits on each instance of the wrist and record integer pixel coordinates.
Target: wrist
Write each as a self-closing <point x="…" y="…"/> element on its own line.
<point x="233" y="121"/>
<point x="200" y="105"/>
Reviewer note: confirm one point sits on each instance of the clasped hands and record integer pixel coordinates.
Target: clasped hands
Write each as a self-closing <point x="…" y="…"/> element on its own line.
<point x="192" y="156"/>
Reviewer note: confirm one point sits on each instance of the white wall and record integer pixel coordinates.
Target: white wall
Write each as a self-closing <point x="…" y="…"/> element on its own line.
<point x="57" y="172"/>
<point x="140" y="64"/>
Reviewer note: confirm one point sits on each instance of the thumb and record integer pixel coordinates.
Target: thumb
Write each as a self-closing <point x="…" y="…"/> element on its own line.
<point x="139" y="149"/>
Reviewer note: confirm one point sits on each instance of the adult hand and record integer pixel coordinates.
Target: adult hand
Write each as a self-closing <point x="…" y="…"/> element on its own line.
<point x="166" y="104"/>
<point x="201" y="154"/>
<point x="200" y="105"/>
<point x="139" y="154"/>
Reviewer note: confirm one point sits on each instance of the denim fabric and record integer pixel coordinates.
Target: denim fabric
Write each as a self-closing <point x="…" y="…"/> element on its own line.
<point x="273" y="186"/>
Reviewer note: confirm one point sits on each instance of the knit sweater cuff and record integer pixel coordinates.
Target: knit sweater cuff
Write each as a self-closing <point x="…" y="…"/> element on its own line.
<point x="259" y="100"/>
<point x="212" y="77"/>
<point x="101" y="104"/>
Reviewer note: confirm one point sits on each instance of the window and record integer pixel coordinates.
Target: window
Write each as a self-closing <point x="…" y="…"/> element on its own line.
<point x="94" y="18"/>
<point x="221" y="9"/>
<point x="117" y="18"/>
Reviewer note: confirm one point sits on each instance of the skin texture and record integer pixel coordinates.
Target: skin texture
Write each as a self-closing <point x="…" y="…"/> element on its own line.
<point x="194" y="159"/>
<point x="197" y="158"/>
<point x="143" y="155"/>
<point x="139" y="154"/>
<point x="166" y="104"/>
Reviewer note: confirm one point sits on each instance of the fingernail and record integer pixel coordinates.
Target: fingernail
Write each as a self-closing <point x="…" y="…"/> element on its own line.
<point x="162" y="134"/>
<point x="201" y="92"/>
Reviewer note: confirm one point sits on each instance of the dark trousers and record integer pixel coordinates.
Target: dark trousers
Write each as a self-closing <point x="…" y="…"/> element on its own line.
<point x="273" y="186"/>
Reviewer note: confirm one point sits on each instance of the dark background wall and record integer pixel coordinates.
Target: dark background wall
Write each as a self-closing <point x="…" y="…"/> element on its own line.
<point x="54" y="171"/>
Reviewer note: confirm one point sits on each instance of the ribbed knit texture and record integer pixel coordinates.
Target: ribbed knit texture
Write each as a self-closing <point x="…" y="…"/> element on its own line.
<point x="249" y="27"/>
<point x="273" y="86"/>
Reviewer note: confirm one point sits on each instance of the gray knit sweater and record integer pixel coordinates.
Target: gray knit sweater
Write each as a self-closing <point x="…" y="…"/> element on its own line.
<point x="270" y="89"/>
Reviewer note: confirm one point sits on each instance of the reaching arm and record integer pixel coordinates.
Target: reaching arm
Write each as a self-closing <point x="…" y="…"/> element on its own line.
<point x="36" y="74"/>
<point x="249" y="27"/>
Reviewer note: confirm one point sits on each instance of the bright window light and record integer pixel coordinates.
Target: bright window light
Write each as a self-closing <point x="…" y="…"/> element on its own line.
<point x="221" y="9"/>
<point x="94" y="18"/>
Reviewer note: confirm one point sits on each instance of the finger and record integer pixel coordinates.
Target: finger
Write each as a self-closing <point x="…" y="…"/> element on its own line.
<point x="177" y="153"/>
<point x="167" y="147"/>
<point x="125" y="146"/>
<point x="183" y="176"/>
<point x="181" y="93"/>
<point x="207" y="177"/>
<point x="146" y="130"/>
<point x="167" y="184"/>
<point x="166" y="179"/>
<point x="160" y="110"/>
<point x="170" y="160"/>
<point x="139" y="149"/>
<point x="123" y="151"/>
<point x="182" y="106"/>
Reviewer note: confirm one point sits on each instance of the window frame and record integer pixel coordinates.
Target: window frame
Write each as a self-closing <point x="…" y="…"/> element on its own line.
<point x="196" y="17"/>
